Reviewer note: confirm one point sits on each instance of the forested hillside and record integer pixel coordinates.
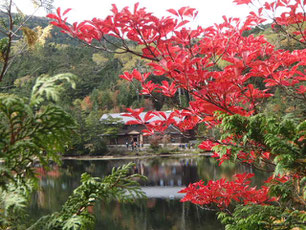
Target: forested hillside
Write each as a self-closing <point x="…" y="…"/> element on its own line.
<point x="98" y="90"/>
<point x="97" y="71"/>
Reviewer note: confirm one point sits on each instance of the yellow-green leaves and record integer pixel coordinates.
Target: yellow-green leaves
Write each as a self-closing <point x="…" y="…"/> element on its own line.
<point x="47" y="87"/>
<point x="30" y="35"/>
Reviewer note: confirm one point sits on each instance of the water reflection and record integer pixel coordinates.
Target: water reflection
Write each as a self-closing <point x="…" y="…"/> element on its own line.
<point x="162" y="210"/>
<point x="155" y="214"/>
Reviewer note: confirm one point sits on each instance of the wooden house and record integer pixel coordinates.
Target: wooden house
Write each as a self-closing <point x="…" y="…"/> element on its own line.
<point x="133" y="133"/>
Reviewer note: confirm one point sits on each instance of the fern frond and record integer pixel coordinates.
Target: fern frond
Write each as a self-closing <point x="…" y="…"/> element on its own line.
<point x="49" y="88"/>
<point x="120" y="185"/>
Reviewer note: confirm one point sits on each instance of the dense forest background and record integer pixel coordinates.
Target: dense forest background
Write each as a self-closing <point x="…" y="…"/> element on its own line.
<point x="98" y="90"/>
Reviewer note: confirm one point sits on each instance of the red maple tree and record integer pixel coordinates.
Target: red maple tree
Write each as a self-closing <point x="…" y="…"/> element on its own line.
<point x="218" y="66"/>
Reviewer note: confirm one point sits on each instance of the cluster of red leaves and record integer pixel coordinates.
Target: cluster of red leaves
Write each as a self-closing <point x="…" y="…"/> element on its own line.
<point x="188" y="64"/>
<point x="135" y="75"/>
<point x="222" y="193"/>
<point x="183" y="120"/>
<point x="137" y="25"/>
<point x="278" y="179"/>
<point x="291" y="13"/>
<point x="242" y="156"/>
<point x="148" y="87"/>
<point x="207" y="145"/>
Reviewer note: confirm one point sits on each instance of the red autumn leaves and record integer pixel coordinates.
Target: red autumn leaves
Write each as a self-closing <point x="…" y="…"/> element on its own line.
<point x="222" y="193"/>
<point x="148" y="87"/>
<point x="217" y="66"/>
<point x="159" y="121"/>
<point x="214" y="65"/>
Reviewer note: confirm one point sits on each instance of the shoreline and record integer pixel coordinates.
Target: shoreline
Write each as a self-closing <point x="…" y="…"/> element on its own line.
<point x="114" y="157"/>
<point x="147" y="156"/>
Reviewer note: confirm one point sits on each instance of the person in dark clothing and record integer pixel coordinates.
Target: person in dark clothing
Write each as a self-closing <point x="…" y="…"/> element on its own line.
<point x="134" y="145"/>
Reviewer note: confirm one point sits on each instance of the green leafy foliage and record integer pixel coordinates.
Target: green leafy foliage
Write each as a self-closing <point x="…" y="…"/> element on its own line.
<point x="282" y="137"/>
<point x="50" y="88"/>
<point x="3" y="47"/>
<point x="111" y="126"/>
<point x="13" y="203"/>
<point x="75" y="213"/>
<point x="87" y="139"/>
<point x="28" y="135"/>
<point x="37" y="133"/>
<point x="275" y="144"/>
<point x="262" y="217"/>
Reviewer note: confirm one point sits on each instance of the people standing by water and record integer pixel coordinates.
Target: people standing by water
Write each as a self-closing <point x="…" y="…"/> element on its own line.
<point x="134" y="145"/>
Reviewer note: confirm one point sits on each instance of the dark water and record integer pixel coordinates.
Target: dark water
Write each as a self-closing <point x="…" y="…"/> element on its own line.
<point x="161" y="211"/>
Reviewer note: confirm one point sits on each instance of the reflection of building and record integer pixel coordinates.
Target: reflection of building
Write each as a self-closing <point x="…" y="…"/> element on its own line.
<point x="173" y="173"/>
<point x="133" y="133"/>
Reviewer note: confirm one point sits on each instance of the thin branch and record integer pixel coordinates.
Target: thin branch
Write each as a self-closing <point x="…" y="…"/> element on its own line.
<point x="10" y="36"/>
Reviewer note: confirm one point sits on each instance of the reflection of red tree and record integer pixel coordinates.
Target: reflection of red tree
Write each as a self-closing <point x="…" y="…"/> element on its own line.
<point x="90" y="209"/>
<point x="41" y="198"/>
<point x="41" y="172"/>
<point x="151" y="203"/>
<point x="117" y="211"/>
<point x="54" y="173"/>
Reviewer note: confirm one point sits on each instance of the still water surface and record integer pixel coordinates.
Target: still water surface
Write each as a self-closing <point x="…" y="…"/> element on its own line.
<point x="161" y="211"/>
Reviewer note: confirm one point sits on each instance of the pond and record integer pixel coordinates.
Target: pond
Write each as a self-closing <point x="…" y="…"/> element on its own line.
<point x="161" y="211"/>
